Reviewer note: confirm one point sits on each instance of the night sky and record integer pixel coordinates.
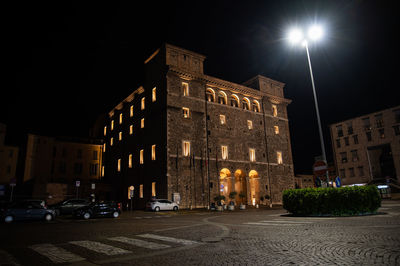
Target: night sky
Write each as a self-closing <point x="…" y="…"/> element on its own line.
<point x="67" y="63"/>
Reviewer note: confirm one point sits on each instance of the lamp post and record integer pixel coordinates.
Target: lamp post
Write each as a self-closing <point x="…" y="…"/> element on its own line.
<point x="296" y="36"/>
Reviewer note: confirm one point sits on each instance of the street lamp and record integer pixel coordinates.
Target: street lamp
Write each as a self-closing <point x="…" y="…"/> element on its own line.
<point x="296" y="36"/>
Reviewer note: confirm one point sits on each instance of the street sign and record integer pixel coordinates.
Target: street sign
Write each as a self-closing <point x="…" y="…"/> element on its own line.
<point x="317" y="182"/>
<point x="320" y="168"/>
<point x="93" y="186"/>
<point x="78" y="183"/>
<point x="338" y="182"/>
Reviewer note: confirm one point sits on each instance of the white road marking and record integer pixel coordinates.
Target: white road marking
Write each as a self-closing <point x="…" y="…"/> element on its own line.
<point x="169" y="239"/>
<point x="255" y="223"/>
<point x="100" y="247"/>
<point x="138" y="242"/>
<point x="56" y="254"/>
<point x="286" y="221"/>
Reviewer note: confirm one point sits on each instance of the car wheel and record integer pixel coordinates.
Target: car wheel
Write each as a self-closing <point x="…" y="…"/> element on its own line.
<point x="48" y="217"/>
<point x="175" y="208"/>
<point x="115" y="214"/>
<point x="157" y="209"/>
<point x="86" y="215"/>
<point x="8" y="219"/>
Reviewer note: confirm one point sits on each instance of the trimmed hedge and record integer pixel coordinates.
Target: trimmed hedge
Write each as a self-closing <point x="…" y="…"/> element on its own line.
<point x="332" y="201"/>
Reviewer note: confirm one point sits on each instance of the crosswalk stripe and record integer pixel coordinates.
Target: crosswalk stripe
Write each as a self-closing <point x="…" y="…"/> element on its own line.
<point x="169" y="239"/>
<point x="288" y="222"/>
<point x="56" y="254"/>
<point x="254" y="223"/>
<point x="138" y="242"/>
<point x="100" y="247"/>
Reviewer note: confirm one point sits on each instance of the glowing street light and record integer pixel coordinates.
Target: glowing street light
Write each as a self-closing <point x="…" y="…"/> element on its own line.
<point x="296" y="36"/>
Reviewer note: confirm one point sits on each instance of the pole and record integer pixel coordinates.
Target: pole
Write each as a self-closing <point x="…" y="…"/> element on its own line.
<point x="318" y="117"/>
<point x="12" y="190"/>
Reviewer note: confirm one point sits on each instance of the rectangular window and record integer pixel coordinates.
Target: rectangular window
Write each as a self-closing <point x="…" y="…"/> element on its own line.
<point x="141" y="157"/>
<point x="366" y="123"/>
<point x="351" y="172"/>
<point x="120" y="136"/>
<point x="360" y="171"/>
<point x="102" y="171"/>
<point x="349" y="128"/>
<point x="105" y="130"/>
<point x="119" y="165"/>
<point x="342" y="173"/>
<point x="153" y="152"/>
<point x="185" y="88"/>
<point x="93" y="169"/>
<point x="279" y="157"/>
<point x="369" y="136"/>
<point x="250" y="124"/>
<point x="186" y="148"/>
<point x="222" y="119"/>
<point x="379" y="120"/>
<point x="355" y="139"/>
<point x="186" y="112"/>
<point x="130" y="161"/>
<point x="153" y="189"/>
<point x="104" y="147"/>
<point x="337" y="143"/>
<point x="120" y="118"/>
<point x="274" y="110"/>
<point x="142" y="103"/>
<point x="252" y="154"/>
<point x="141" y="191"/>
<point x="343" y="156"/>
<point x="112" y="124"/>
<point x="131" y="129"/>
<point x="354" y="155"/>
<point x="142" y="123"/>
<point x="224" y="150"/>
<point x="396" y="130"/>
<point x="131" y="111"/>
<point x="276" y="129"/>
<point x="382" y="133"/>
<point x="346" y="141"/>
<point x="339" y="131"/>
<point x="154" y="94"/>
<point x="397" y="115"/>
<point x="111" y="141"/>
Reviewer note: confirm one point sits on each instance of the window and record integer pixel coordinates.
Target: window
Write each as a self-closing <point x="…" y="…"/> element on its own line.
<point x="79" y="154"/>
<point x="93" y="169"/>
<point x="342" y="173"/>
<point x="339" y="131"/>
<point x="382" y="133"/>
<point x="153" y="152"/>
<point x="379" y="120"/>
<point x="154" y="94"/>
<point x="224" y="150"/>
<point x="337" y="143"/>
<point x="142" y="103"/>
<point x="94" y="155"/>
<point x="279" y="158"/>
<point x="186" y="112"/>
<point x="141" y="157"/>
<point x="130" y="161"/>
<point x="131" y="111"/>
<point x="354" y="155"/>
<point x="274" y="110"/>
<point x="186" y="148"/>
<point x="111" y="141"/>
<point x="396" y="130"/>
<point x="276" y="130"/>
<point x="102" y="171"/>
<point x="153" y="189"/>
<point x="246" y="103"/>
<point x="360" y="171"/>
<point x="369" y="136"/>
<point x="210" y="95"/>
<point x="343" y="155"/>
<point x="397" y="115"/>
<point x="250" y="124"/>
<point x="120" y="118"/>
<point x="346" y="141"/>
<point x="119" y="165"/>
<point x="222" y="119"/>
<point x="112" y="124"/>
<point x="120" y="136"/>
<point x="131" y="129"/>
<point x="142" y="123"/>
<point x="351" y="172"/>
<point x="355" y="139"/>
<point x="222" y="97"/>
<point x="78" y="168"/>
<point x="234" y="100"/>
<point x="185" y="88"/>
<point x="104" y="147"/>
<point x="252" y="154"/>
<point x="349" y="128"/>
<point x="141" y="191"/>
<point x="105" y="130"/>
<point x="366" y="123"/>
<point x="256" y="106"/>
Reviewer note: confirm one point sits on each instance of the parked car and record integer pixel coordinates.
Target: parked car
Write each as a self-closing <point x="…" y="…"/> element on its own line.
<point x="99" y="209"/>
<point x="37" y="201"/>
<point x="26" y="210"/>
<point x="68" y="206"/>
<point x="162" y="205"/>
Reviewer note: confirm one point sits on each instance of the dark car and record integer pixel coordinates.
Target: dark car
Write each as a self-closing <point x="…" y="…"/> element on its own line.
<point x="26" y="210"/>
<point x="68" y="206"/>
<point x="99" y="209"/>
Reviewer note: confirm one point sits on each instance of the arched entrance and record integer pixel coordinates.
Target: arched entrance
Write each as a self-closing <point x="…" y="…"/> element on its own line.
<point x="225" y="183"/>
<point x="254" y="181"/>
<point x="240" y="186"/>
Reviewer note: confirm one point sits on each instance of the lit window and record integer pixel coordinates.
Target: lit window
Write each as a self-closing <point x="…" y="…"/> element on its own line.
<point x="186" y="148"/>
<point x="234" y="100"/>
<point x="105" y="130"/>
<point x="222" y="97"/>
<point x="224" y="150"/>
<point x="256" y="106"/>
<point x="153" y="189"/>
<point x="112" y="124"/>
<point x="130" y="161"/>
<point x="141" y="191"/>
<point x="102" y="171"/>
<point x="120" y="118"/>
<point x="111" y="141"/>
<point x="246" y="103"/>
<point x="120" y="136"/>
<point x="119" y="165"/>
<point x="186" y="112"/>
<point x="142" y="104"/>
<point x="252" y="154"/>
<point x="274" y="110"/>
<point x="130" y="129"/>
<point x="276" y="129"/>
<point x="104" y="147"/>
<point x="153" y="152"/>
<point x="131" y="111"/>
<point x="185" y="88"/>
<point x="210" y="95"/>
<point x="154" y="94"/>
<point x="142" y="123"/>
<point x="279" y="157"/>
<point x="141" y="157"/>
<point x="222" y="119"/>
<point x="250" y="124"/>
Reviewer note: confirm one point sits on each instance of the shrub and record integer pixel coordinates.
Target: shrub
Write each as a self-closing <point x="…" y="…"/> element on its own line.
<point x="332" y="201"/>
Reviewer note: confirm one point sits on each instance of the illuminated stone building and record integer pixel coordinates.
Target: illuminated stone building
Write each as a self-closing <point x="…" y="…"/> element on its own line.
<point x="367" y="148"/>
<point x="188" y="136"/>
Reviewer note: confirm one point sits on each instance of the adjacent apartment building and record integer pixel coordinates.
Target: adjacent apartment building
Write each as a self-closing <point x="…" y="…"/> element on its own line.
<point x="8" y="163"/>
<point x="367" y="148"/>
<point x="189" y="137"/>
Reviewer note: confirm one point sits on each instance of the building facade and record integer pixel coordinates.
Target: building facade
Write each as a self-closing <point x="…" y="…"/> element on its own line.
<point x="8" y="163"/>
<point x="189" y="137"/>
<point x="367" y="148"/>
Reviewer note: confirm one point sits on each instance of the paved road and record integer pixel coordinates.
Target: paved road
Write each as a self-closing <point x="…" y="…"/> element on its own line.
<point x="249" y="237"/>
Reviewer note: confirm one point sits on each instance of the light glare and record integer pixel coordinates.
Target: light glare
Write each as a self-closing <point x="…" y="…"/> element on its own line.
<point x="315" y="32"/>
<point x="295" y="36"/>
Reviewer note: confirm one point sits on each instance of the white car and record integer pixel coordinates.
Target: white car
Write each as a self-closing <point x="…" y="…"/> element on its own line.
<point x="162" y="205"/>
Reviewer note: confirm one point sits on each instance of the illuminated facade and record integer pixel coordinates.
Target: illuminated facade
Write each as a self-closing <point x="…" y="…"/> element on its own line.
<point x="202" y="136"/>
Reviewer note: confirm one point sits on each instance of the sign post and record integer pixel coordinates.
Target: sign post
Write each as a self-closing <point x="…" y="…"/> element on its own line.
<point x="77" y="184"/>
<point x="320" y="168"/>
<point x="13" y="183"/>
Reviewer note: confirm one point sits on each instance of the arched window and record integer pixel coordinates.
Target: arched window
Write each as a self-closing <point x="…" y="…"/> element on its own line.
<point x="246" y="103"/>
<point x="256" y="106"/>
<point x="222" y="99"/>
<point x="210" y="95"/>
<point x="234" y="100"/>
